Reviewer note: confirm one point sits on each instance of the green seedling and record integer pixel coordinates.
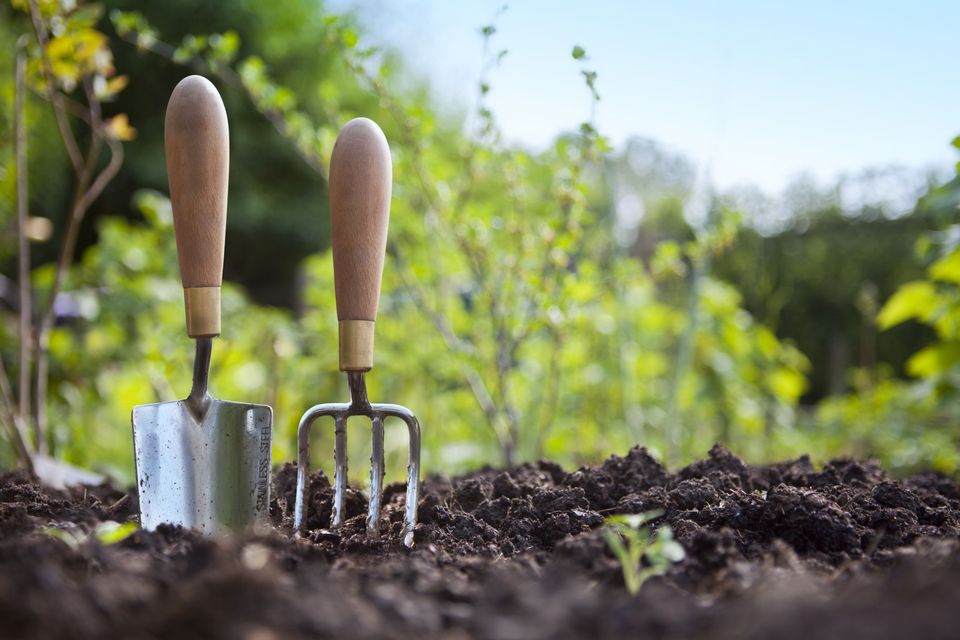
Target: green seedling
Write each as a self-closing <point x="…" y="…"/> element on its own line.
<point x="106" y="533"/>
<point x="641" y="554"/>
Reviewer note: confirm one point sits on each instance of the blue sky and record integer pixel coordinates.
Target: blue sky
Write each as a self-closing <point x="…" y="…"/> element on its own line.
<point x="758" y="91"/>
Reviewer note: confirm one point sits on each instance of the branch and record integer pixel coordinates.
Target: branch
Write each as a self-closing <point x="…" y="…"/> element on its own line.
<point x="17" y="433"/>
<point x="228" y="75"/>
<point x="550" y="398"/>
<point x="77" y="213"/>
<point x="439" y="321"/>
<point x="487" y="405"/>
<point x="71" y="106"/>
<point x="53" y="95"/>
<point x="83" y="198"/>
<point x="109" y="173"/>
<point x="455" y="343"/>
<point x="25" y="311"/>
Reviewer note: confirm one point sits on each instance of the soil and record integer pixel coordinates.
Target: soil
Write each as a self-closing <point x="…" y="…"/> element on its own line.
<point x="780" y="551"/>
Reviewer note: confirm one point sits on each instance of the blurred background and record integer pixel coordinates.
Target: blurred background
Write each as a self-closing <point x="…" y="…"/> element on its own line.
<point x="633" y="223"/>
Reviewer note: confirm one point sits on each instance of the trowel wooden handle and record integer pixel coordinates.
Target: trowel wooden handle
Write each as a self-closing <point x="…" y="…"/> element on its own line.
<point x="197" y="145"/>
<point x="360" y="179"/>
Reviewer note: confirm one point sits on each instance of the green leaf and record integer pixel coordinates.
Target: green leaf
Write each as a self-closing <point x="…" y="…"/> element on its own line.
<point x="591" y="79"/>
<point x="224" y="46"/>
<point x="155" y="207"/>
<point x="933" y="360"/>
<point x="672" y="550"/>
<point x="787" y="384"/>
<point x="111" y="532"/>
<point x="912" y="300"/>
<point x="947" y="268"/>
<point x="350" y="38"/>
<point x="70" y="538"/>
<point x="579" y="53"/>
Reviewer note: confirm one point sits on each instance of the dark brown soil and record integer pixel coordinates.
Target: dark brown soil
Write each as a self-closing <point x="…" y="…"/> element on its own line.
<point x="781" y="551"/>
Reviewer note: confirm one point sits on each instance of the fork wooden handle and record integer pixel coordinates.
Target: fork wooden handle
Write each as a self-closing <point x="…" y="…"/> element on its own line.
<point x="360" y="180"/>
<point x="197" y="147"/>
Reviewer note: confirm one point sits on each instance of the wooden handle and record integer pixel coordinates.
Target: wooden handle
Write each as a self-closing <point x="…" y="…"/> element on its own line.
<point x="360" y="179"/>
<point x="197" y="145"/>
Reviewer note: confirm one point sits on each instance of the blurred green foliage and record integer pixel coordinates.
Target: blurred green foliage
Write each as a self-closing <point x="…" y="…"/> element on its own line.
<point x="515" y="320"/>
<point x="913" y="424"/>
<point x="807" y="282"/>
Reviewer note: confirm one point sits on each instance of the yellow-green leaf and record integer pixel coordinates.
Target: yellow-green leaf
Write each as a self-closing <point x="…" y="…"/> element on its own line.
<point x="934" y="359"/>
<point x="786" y="384"/>
<point x="947" y="268"/>
<point x="116" y="84"/>
<point x="111" y="532"/>
<point x="912" y="300"/>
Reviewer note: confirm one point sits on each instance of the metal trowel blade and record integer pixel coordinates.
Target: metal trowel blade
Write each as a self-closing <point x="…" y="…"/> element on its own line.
<point x="212" y="474"/>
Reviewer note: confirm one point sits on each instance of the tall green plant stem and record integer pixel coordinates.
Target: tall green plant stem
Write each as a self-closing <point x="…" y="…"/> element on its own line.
<point x="675" y="427"/>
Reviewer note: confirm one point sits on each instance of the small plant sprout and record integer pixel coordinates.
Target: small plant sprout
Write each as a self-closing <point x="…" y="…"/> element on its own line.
<point x="641" y="554"/>
<point x="106" y="533"/>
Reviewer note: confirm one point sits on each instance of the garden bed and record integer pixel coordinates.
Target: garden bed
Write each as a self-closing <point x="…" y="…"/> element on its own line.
<point x="781" y="551"/>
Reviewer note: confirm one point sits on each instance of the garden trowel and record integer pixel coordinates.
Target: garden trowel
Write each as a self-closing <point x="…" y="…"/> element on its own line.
<point x="202" y="463"/>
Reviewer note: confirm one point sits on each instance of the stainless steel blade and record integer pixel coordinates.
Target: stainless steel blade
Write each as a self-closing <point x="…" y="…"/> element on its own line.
<point x="212" y="475"/>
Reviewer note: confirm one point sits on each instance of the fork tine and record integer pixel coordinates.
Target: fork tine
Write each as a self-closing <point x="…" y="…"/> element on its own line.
<point x="303" y="471"/>
<point x="413" y="475"/>
<point x="340" y="470"/>
<point x="376" y="477"/>
<point x="303" y="463"/>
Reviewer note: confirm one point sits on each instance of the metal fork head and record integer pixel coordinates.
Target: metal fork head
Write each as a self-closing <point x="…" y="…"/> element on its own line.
<point x="359" y="405"/>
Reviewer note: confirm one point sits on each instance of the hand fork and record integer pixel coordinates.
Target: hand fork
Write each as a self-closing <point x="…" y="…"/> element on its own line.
<point x="360" y="184"/>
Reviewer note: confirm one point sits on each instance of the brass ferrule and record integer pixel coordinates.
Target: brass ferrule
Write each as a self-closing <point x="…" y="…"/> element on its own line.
<point x="356" y="345"/>
<point x="202" y="305"/>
